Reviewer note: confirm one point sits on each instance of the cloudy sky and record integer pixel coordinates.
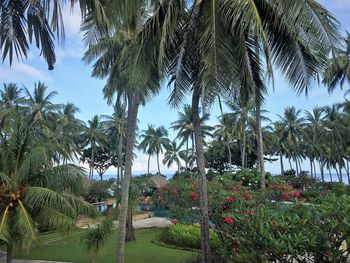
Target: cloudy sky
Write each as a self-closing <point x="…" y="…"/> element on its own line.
<point x="71" y="79"/>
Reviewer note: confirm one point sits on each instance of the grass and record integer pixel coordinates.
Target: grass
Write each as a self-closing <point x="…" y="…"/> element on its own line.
<point x="70" y="249"/>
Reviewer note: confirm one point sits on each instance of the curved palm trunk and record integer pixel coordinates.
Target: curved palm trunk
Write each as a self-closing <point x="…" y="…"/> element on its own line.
<point x="312" y="170"/>
<point x="281" y="162"/>
<point x="9" y="252"/>
<point x="348" y="171"/>
<point x="133" y="107"/>
<point x="330" y="174"/>
<point x="340" y="173"/>
<point x="260" y="143"/>
<point x="204" y="207"/>
<point x="192" y="158"/>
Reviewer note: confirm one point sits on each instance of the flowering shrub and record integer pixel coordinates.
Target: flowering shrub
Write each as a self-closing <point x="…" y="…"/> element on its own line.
<point x="271" y="225"/>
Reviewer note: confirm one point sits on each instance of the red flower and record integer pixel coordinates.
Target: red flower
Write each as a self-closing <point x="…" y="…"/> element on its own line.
<point x="174" y="221"/>
<point x="229" y="220"/>
<point x="249" y="212"/>
<point x="235" y="245"/>
<point x="174" y="191"/>
<point x="274" y="187"/>
<point x="273" y="222"/>
<point x="285" y="196"/>
<point x="248" y="196"/>
<point x="230" y="199"/>
<point x="194" y="196"/>
<point x="297" y="194"/>
<point x="165" y="188"/>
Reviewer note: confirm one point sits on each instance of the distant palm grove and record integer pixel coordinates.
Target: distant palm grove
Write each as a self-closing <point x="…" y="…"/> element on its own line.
<point x="219" y="52"/>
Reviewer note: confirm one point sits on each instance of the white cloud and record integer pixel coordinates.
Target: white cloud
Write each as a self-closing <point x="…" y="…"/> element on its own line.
<point x="72" y="21"/>
<point x="20" y="71"/>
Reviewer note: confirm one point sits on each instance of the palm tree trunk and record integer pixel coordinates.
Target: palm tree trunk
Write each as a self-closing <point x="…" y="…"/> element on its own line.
<point x="340" y="173"/>
<point x="296" y="165"/>
<point x="244" y="150"/>
<point x="282" y="167"/>
<point x="330" y="174"/>
<point x="120" y="154"/>
<point x="290" y="164"/>
<point x="9" y="253"/>
<point x="158" y="163"/>
<point x="130" y="234"/>
<point x="312" y="169"/>
<point x="186" y="161"/>
<point x="92" y="163"/>
<point x="315" y="171"/>
<point x="204" y="207"/>
<point x="321" y="170"/>
<point x="229" y="155"/>
<point x="336" y="170"/>
<point x="260" y="143"/>
<point x="133" y="107"/>
<point x="149" y="161"/>
<point x="192" y="159"/>
<point x="348" y="171"/>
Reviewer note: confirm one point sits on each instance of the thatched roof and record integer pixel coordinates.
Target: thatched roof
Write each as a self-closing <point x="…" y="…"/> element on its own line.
<point x="158" y="181"/>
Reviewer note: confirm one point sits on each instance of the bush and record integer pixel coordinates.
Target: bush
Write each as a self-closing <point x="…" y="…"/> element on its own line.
<point x="187" y="237"/>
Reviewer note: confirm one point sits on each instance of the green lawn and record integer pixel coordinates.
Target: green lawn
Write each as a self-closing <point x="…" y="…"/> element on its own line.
<point x="70" y="249"/>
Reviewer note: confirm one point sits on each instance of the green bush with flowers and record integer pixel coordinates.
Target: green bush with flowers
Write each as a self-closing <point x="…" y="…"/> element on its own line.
<point x="271" y="225"/>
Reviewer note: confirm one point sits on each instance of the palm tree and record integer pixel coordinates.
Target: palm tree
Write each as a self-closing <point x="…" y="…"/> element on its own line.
<point x="338" y="70"/>
<point x="233" y="46"/>
<point x="40" y="102"/>
<point x="38" y="19"/>
<point x="33" y="190"/>
<point x="146" y="143"/>
<point x="154" y="141"/>
<point x="93" y="136"/>
<point x="173" y="154"/>
<point x="315" y="138"/>
<point x="292" y="133"/>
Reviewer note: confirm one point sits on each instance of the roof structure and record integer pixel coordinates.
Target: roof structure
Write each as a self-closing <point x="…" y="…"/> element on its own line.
<point x="158" y="181"/>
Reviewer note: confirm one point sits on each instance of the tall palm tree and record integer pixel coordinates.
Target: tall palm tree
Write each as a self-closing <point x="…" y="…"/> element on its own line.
<point x="93" y="136"/>
<point x="338" y="70"/>
<point x="292" y="133"/>
<point x="233" y="46"/>
<point x="173" y="154"/>
<point x="146" y="143"/>
<point x="154" y="141"/>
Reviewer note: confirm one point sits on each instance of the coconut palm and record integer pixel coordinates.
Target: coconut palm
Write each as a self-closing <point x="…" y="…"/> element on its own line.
<point x="292" y="132"/>
<point x="154" y="141"/>
<point x="173" y="154"/>
<point x="338" y="70"/>
<point x="33" y="191"/>
<point x="40" y="103"/>
<point x="39" y="20"/>
<point x="93" y="136"/>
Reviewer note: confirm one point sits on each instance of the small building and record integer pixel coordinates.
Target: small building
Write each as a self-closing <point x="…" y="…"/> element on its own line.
<point x="158" y="181"/>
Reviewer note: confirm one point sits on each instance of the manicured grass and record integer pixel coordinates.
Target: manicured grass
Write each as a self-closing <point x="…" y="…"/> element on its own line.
<point x="70" y="249"/>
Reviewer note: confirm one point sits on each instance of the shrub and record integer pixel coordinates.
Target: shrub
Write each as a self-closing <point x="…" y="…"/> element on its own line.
<point x="187" y="236"/>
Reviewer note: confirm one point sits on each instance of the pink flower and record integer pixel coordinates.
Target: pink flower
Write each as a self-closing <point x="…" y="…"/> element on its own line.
<point x="174" y="191"/>
<point x="174" y="221"/>
<point x="235" y="245"/>
<point x="194" y="196"/>
<point x="285" y="196"/>
<point x="165" y="188"/>
<point x="297" y="194"/>
<point x="248" y="196"/>
<point x="229" y="220"/>
<point x="230" y="199"/>
<point x="273" y="222"/>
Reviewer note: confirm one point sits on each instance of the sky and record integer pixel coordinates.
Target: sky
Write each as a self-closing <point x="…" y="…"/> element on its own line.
<point x="71" y="79"/>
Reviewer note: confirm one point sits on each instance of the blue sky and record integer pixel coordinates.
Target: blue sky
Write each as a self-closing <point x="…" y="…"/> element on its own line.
<point x="71" y="79"/>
